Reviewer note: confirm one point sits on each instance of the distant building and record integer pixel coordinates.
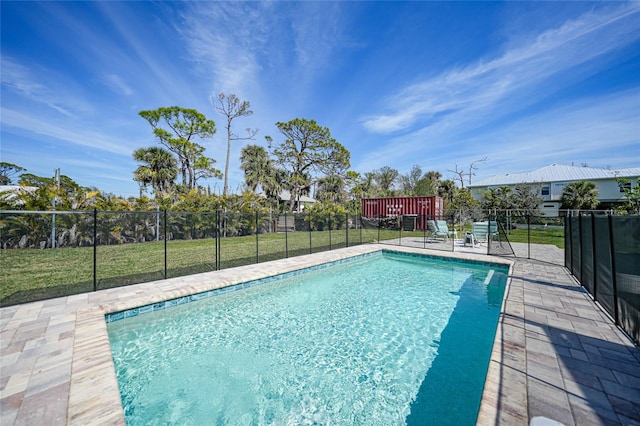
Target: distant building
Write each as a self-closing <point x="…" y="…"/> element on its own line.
<point x="552" y="180"/>
<point x="300" y="204"/>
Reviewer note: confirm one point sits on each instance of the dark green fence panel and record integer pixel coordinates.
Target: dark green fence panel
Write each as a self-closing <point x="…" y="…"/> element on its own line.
<point x="128" y="249"/>
<point x="586" y="245"/>
<point x="608" y="265"/>
<point x="237" y="240"/>
<point x="603" y="283"/>
<point x="626" y="238"/>
<point x="271" y="245"/>
<point x="576" y="255"/>
<point x="190" y="243"/>
<point x="568" y="246"/>
<point x="31" y="269"/>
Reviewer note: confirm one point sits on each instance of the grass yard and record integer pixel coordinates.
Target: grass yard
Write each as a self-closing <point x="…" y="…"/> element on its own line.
<point x="32" y="274"/>
<point x="554" y="236"/>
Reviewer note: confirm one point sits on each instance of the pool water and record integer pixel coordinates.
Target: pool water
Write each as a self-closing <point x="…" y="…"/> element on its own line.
<point x="388" y="339"/>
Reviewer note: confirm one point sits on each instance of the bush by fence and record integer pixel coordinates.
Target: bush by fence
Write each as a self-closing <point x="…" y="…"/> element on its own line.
<point x="48" y="254"/>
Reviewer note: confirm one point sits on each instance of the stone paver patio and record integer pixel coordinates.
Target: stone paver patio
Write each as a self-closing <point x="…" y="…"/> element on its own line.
<point x="556" y="354"/>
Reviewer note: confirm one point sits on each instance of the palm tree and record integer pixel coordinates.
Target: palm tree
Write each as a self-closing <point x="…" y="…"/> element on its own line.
<point x="447" y="190"/>
<point x="497" y="198"/>
<point x="580" y="195"/>
<point x="331" y="188"/>
<point x="160" y="168"/>
<point x="260" y="170"/>
<point x="434" y="177"/>
<point x="385" y="178"/>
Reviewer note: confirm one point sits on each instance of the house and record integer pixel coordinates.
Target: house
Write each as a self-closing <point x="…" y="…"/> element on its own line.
<point x="301" y="203"/>
<point x="553" y="178"/>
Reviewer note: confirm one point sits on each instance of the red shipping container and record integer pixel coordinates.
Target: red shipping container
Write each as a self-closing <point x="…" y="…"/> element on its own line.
<point x="431" y="207"/>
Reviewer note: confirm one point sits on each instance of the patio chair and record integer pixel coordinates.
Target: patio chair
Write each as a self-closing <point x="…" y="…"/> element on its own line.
<point x="443" y="227"/>
<point x="435" y="231"/>
<point x="480" y="231"/>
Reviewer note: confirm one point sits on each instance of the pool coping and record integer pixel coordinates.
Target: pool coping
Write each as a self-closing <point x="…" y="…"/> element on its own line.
<point x="57" y="366"/>
<point x="93" y="366"/>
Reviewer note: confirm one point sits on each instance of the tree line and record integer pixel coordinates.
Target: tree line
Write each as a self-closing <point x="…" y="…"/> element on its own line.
<point x="304" y="160"/>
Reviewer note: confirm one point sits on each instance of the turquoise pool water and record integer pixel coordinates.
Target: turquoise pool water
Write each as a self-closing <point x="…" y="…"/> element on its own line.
<point x="385" y="339"/>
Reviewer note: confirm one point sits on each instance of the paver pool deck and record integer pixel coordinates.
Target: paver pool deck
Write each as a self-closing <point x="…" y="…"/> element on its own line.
<point x="555" y="355"/>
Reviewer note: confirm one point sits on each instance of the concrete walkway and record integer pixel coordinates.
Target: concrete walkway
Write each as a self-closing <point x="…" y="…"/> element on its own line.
<point x="555" y="354"/>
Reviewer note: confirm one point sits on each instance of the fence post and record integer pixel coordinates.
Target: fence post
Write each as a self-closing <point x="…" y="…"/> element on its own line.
<point x="346" y="227"/>
<point x="581" y="249"/>
<point x="286" y="235"/>
<point x="360" y="222"/>
<point x="528" y="236"/>
<point x="567" y="249"/>
<point x="613" y="272"/>
<point x="95" y="247"/>
<point x="257" y="248"/>
<point x="217" y="240"/>
<point x="310" y="244"/>
<point x="594" y="258"/>
<point x="329" y="223"/>
<point x="379" y="225"/>
<point x="165" y="244"/>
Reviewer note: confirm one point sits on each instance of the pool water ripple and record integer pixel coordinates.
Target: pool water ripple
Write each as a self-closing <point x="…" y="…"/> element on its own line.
<point x="350" y="344"/>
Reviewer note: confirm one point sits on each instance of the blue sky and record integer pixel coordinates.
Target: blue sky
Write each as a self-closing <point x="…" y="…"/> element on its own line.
<point x="438" y="84"/>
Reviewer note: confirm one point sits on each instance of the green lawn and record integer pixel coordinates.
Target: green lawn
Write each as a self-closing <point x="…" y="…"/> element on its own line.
<point x="31" y="274"/>
<point x="554" y="236"/>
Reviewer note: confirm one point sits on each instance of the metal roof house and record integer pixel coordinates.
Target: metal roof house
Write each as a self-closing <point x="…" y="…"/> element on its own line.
<point x="553" y="178"/>
<point x="301" y="202"/>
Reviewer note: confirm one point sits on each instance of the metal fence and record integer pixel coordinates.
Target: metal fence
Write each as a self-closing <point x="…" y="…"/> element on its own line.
<point x="603" y="253"/>
<point x="48" y="254"/>
<point x="496" y="232"/>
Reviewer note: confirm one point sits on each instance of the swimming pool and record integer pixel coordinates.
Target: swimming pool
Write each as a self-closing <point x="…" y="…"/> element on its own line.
<point x="381" y="339"/>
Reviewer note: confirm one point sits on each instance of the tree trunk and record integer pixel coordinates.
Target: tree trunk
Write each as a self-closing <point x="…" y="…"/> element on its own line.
<point x="226" y="165"/>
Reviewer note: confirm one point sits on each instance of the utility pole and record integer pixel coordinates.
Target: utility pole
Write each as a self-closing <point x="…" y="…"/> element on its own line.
<point x="56" y="173"/>
<point x="472" y="167"/>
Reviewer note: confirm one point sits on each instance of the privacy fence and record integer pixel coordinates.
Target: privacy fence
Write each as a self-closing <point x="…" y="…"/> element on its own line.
<point x="47" y="254"/>
<point x="603" y="253"/>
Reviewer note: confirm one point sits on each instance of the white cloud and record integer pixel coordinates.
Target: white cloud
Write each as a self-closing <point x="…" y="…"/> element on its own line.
<point x="519" y="77"/>
<point x="76" y="135"/>
<point x="22" y="81"/>
<point x="115" y="83"/>
<point x="224" y="40"/>
<point x="586" y="130"/>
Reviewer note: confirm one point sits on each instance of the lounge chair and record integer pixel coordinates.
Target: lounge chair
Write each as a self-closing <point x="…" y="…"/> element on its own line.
<point x="444" y="228"/>
<point x="435" y="230"/>
<point x="482" y="230"/>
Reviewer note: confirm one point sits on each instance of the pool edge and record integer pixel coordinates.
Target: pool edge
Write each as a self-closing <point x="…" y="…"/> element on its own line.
<point x="93" y="368"/>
